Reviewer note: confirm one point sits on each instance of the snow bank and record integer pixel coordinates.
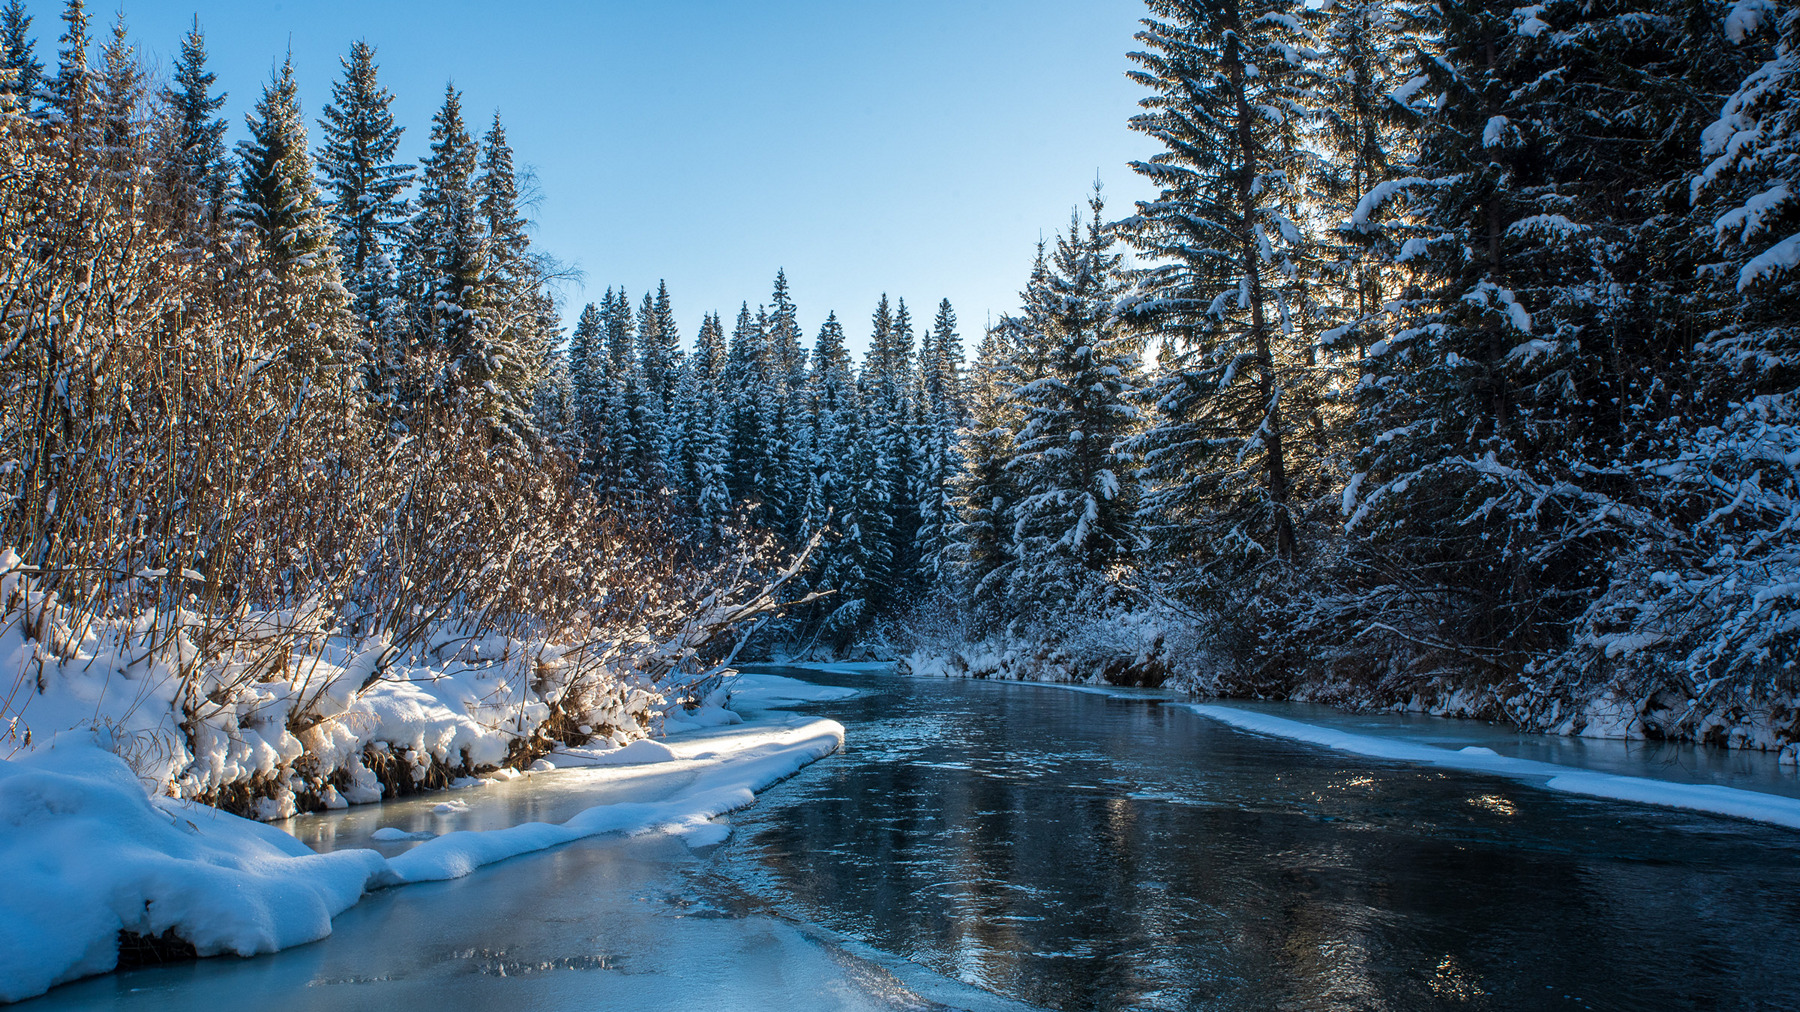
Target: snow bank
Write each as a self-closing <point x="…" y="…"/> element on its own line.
<point x="87" y="853"/>
<point x="300" y="724"/>
<point x="727" y="781"/>
<point x="1711" y="798"/>
<point x="760" y="691"/>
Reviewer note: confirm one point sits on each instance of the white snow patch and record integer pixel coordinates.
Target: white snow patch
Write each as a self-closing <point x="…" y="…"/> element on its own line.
<point x="638" y="752"/>
<point x="390" y="834"/>
<point x="88" y="852"/>
<point x="1711" y="798"/>
<point x="756" y="762"/>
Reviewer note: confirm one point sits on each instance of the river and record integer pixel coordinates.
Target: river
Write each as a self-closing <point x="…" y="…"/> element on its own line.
<point x="996" y="845"/>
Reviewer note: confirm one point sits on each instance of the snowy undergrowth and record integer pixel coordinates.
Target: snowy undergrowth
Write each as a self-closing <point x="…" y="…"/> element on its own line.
<point x="93" y="852"/>
<point x="1115" y="645"/>
<point x="1160" y="646"/>
<point x="269" y="713"/>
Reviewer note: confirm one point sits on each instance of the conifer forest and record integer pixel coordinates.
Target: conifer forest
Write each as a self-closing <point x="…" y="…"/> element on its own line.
<point x="1453" y="368"/>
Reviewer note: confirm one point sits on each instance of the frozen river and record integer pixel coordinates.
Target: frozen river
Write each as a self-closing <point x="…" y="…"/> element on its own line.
<point x="989" y="845"/>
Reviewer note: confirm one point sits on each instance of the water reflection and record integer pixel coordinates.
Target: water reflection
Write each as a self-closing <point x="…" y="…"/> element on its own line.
<point x="1081" y="852"/>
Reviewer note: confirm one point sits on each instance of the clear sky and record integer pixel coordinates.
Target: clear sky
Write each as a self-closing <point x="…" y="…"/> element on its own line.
<point x="917" y="148"/>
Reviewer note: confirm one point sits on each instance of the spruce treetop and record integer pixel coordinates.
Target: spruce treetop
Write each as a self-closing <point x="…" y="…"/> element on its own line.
<point x="21" y="72"/>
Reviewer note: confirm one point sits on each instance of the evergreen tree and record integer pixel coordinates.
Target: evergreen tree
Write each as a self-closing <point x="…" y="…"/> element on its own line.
<point x="119" y="98"/>
<point x="705" y="417"/>
<point x="1529" y="226"/>
<point x="946" y="412"/>
<point x="1076" y="500"/>
<point x="357" y="168"/>
<point x="516" y="336"/>
<point x="980" y="550"/>
<point x="70" y="93"/>
<point x="203" y="177"/>
<point x="447" y="257"/>
<point x="649" y="379"/>
<point x="1229" y="86"/>
<point x="277" y="198"/>
<point x="1751" y="183"/>
<point x="21" y="72"/>
<point x="587" y="379"/>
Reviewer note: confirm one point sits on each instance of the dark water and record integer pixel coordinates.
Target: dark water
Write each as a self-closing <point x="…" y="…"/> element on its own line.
<point x="1082" y="852"/>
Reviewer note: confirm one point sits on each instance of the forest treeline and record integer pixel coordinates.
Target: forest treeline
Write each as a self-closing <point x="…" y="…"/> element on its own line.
<point x="1452" y="365"/>
<point x="1456" y="370"/>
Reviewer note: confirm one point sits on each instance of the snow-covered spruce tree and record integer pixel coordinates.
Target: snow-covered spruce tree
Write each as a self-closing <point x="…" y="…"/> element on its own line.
<point x="1228" y="468"/>
<point x="830" y="401"/>
<point x="481" y="369"/>
<point x="946" y="411"/>
<point x="69" y="95"/>
<point x="1496" y="420"/>
<point x="1075" y="513"/>
<point x="1362" y="131"/>
<point x="979" y="556"/>
<point x="21" y="70"/>
<point x="120" y="95"/>
<point x="792" y="430"/>
<point x="587" y="376"/>
<point x="705" y="415"/>
<point x="1694" y="637"/>
<point x="662" y="361"/>
<point x="621" y="392"/>
<point x="646" y="407"/>
<point x="513" y="337"/>
<point x="753" y="390"/>
<point x="1751" y="183"/>
<point x="199" y="176"/>
<point x="277" y="199"/>
<point x="357" y="168"/>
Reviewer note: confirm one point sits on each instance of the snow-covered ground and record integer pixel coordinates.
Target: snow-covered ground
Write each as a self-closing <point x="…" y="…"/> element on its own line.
<point x="91" y="850"/>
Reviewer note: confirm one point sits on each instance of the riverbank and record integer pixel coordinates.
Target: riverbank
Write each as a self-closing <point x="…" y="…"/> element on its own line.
<point x="96" y="860"/>
<point x="1151" y="654"/>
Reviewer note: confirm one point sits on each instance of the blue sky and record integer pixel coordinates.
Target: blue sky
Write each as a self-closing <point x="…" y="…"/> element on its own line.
<point x="866" y="146"/>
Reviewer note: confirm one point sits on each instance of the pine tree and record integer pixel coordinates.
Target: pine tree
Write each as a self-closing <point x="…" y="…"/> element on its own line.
<point x="70" y="94"/>
<point x="621" y="397"/>
<point x="946" y="412"/>
<point x="515" y="337"/>
<point x="21" y="72"/>
<point x="705" y="416"/>
<point x="447" y="258"/>
<point x="979" y="555"/>
<point x="357" y="168"/>
<point x="649" y="379"/>
<point x="1492" y="411"/>
<point x="587" y="379"/>
<point x="1229" y="84"/>
<point x="1751" y="183"/>
<point x="1074" y="518"/>
<point x="277" y="198"/>
<point x="1362" y="130"/>
<point x="203" y="177"/>
<point x="119" y="100"/>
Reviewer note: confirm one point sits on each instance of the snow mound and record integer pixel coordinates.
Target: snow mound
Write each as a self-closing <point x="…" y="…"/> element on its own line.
<point x="87" y="853"/>
<point x="1711" y="798"/>
<point x="390" y="834"/>
<point x="638" y="752"/>
<point x="760" y="691"/>
<point x="755" y="762"/>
